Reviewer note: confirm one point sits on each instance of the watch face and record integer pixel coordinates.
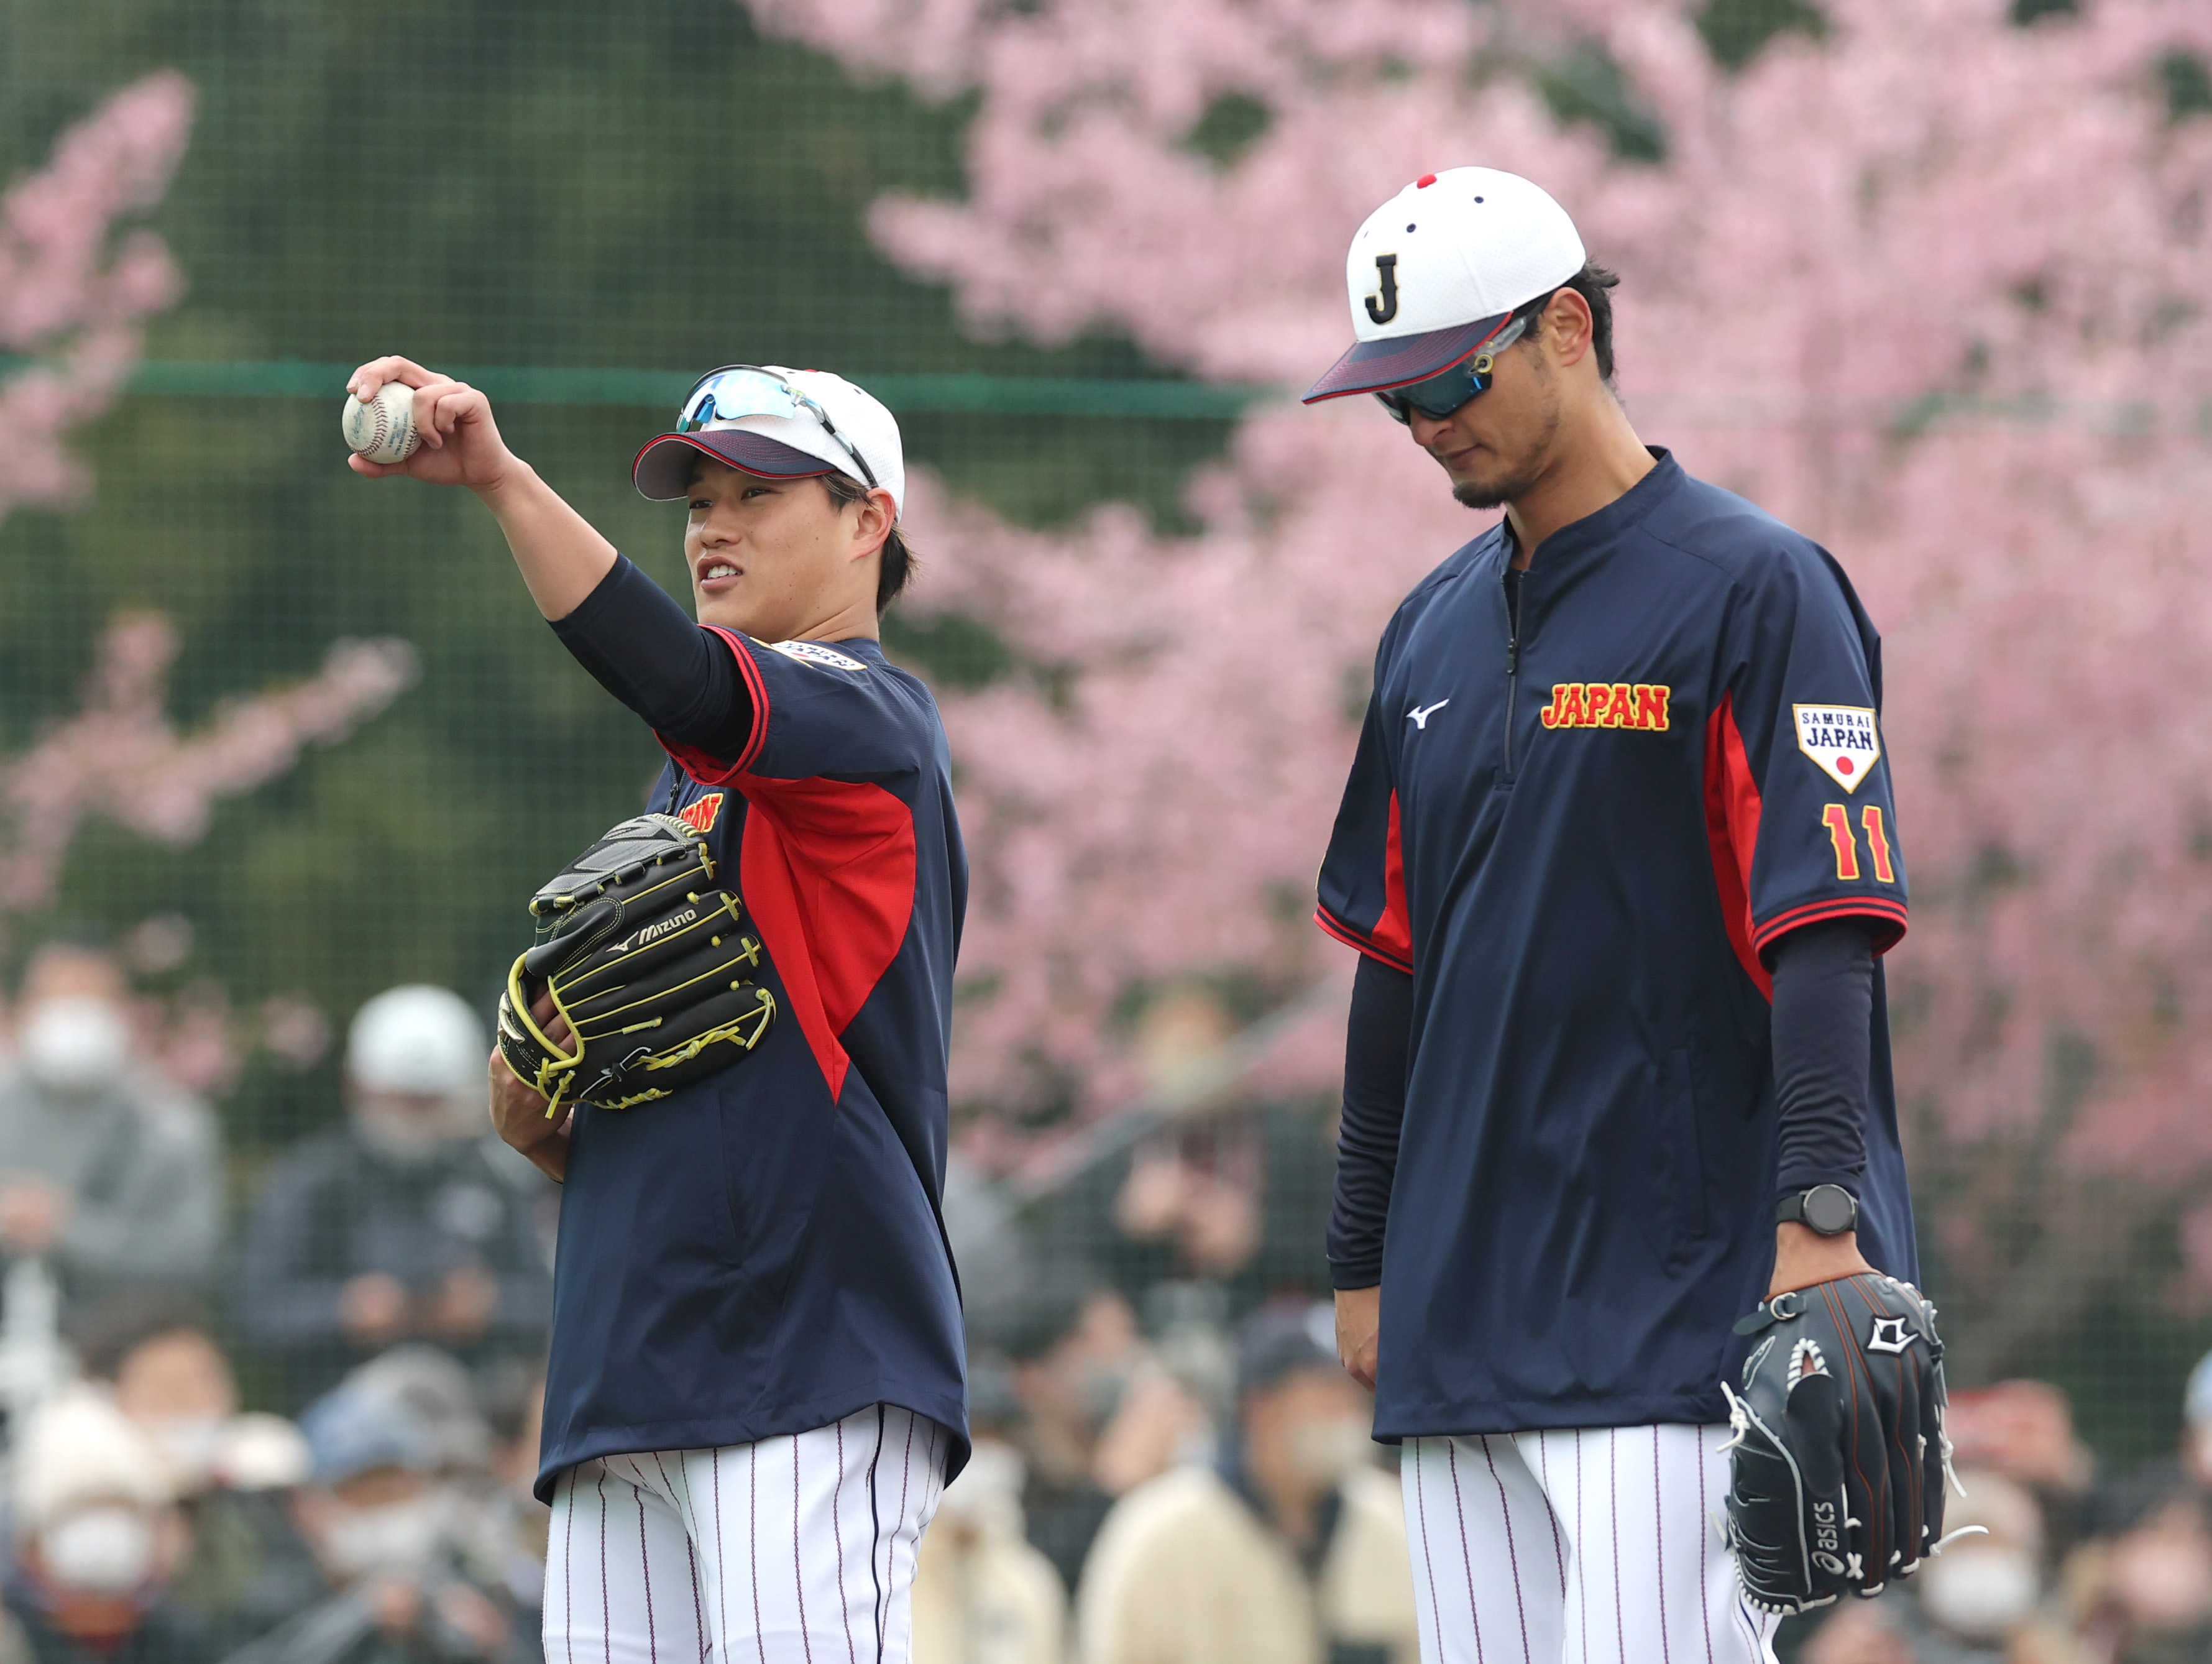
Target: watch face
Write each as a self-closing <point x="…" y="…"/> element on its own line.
<point x="1829" y="1209"/>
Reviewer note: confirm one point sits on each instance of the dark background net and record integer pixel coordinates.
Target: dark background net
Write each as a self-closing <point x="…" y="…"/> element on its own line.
<point x="581" y="206"/>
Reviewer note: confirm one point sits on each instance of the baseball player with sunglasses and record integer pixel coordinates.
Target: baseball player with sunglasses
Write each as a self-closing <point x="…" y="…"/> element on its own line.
<point x="1621" y="1231"/>
<point x="757" y="1388"/>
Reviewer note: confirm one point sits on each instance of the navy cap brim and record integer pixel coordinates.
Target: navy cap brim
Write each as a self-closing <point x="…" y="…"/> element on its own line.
<point x="1376" y="367"/>
<point x="663" y="469"/>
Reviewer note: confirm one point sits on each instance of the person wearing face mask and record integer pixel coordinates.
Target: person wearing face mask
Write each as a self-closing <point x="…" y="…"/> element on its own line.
<point x="384" y="1520"/>
<point x="1983" y="1598"/>
<point x="396" y="1226"/>
<point x="232" y="1473"/>
<point x="111" y="1174"/>
<point x="98" y="1540"/>
<point x="1290" y="1550"/>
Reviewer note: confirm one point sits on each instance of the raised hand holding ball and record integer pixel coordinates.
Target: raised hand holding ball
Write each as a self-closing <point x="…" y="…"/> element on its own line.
<point x="383" y="429"/>
<point x="401" y="419"/>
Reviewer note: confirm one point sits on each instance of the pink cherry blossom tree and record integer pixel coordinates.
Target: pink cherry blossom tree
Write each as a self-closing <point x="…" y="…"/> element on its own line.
<point x="120" y="758"/>
<point x="75" y="293"/>
<point x="120" y="755"/>
<point x="1928" y="284"/>
<point x="76" y="285"/>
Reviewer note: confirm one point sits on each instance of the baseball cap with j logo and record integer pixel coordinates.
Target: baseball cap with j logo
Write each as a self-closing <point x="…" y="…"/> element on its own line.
<point x="1438" y="270"/>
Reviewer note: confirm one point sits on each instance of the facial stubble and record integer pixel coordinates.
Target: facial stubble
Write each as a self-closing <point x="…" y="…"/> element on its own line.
<point x="1526" y="470"/>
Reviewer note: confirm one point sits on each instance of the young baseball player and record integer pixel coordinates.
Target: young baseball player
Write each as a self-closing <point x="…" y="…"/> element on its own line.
<point x="1619" y="853"/>
<point x="756" y="1392"/>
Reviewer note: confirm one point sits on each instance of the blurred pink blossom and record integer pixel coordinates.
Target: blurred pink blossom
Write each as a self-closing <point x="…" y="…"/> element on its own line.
<point x="73" y="294"/>
<point x="192" y="1038"/>
<point x="1930" y="287"/>
<point x="294" y="1030"/>
<point x="158" y="944"/>
<point x="121" y="758"/>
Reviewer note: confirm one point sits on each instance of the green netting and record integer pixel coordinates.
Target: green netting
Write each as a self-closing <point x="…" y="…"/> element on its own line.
<point x="579" y="205"/>
<point x="582" y="208"/>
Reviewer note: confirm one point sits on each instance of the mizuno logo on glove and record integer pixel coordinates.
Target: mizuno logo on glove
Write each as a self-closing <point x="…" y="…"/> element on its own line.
<point x="654" y="933"/>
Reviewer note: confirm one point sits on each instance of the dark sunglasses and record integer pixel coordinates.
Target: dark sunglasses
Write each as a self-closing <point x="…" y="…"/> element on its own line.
<point x="1445" y="391"/>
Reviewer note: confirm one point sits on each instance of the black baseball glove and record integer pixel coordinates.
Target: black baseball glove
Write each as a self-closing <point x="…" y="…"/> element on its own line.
<point x="1839" y="1457"/>
<point x="650" y="963"/>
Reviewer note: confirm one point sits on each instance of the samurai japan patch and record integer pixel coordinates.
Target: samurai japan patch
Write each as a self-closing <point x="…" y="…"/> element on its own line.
<point x="1843" y="739"/>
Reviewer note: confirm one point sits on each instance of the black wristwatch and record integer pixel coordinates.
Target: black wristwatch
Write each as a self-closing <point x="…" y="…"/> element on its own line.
<point x="1829" y="1209"/>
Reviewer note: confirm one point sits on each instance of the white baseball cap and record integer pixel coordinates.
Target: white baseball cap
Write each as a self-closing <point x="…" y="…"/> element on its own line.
<point x="1438" y="270"/>
<point x="416" y="1039"/>
<point x="781" y="424"/>
<point x="77" y="1450"/>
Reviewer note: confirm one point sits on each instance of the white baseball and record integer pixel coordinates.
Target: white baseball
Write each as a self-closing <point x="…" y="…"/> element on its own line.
<point x="382" y="430"/>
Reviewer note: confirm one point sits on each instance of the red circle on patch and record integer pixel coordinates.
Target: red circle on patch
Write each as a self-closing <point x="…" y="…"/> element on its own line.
<point x="1843" y="765"/>
<point x="1424" y="181"/>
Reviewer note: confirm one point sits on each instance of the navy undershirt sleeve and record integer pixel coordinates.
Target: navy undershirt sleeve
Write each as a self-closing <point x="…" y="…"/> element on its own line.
<point x="641" y="647"/>
<point x="1377" y="1042"/>
<point x="1822" y="1028"/>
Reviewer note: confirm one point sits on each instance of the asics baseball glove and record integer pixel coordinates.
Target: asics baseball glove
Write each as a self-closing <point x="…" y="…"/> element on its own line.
<point x="1838" y="1454"/>
<point x="650" y="963"/>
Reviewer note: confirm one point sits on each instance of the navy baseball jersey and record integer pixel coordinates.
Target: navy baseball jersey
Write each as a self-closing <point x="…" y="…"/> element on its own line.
<point x="760" y="1253"/>
<point x="1577" y="828"/>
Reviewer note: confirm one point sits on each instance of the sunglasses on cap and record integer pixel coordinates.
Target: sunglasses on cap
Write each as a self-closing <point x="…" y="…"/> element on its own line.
<point x="744" y="389"/>
<point x="1445" y="391"/>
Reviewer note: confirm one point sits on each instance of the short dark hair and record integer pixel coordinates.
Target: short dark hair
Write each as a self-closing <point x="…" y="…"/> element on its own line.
<point x="1596" y="284"/>
<point x="111" y="1329"/>
<point x="900" y="563"/>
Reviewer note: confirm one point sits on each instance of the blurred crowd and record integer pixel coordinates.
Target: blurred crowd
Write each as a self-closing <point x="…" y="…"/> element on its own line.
<point x="385" y="1291"/>
<point x="1170" y="1467"/>
<point x="1169" y="1462"/>
<point x="2071" y="1564"/>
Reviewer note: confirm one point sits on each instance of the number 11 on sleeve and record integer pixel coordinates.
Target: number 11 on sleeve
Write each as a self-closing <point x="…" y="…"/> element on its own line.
<point x="1836" y="817"/>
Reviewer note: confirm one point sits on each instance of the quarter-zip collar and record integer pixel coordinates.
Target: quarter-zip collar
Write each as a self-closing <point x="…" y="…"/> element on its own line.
<point x="1597" y="531"/>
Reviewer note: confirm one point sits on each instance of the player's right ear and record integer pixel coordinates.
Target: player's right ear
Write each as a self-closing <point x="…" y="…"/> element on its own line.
<point x="1564" y="331"/>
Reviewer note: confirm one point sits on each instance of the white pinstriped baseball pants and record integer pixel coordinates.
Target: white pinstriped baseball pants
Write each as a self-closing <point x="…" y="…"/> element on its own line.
<point x="1598" y="1545"/>
<point x="796" y="1550"/>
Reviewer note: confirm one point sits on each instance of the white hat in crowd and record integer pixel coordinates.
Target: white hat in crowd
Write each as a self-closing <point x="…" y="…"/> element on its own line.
<point x="258" y="1451"/>
<point x="80" y="1450"/>
<point x="1438" y="269"/>
<point x="419" y="1040"/>
<point x="781" y="424"/>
